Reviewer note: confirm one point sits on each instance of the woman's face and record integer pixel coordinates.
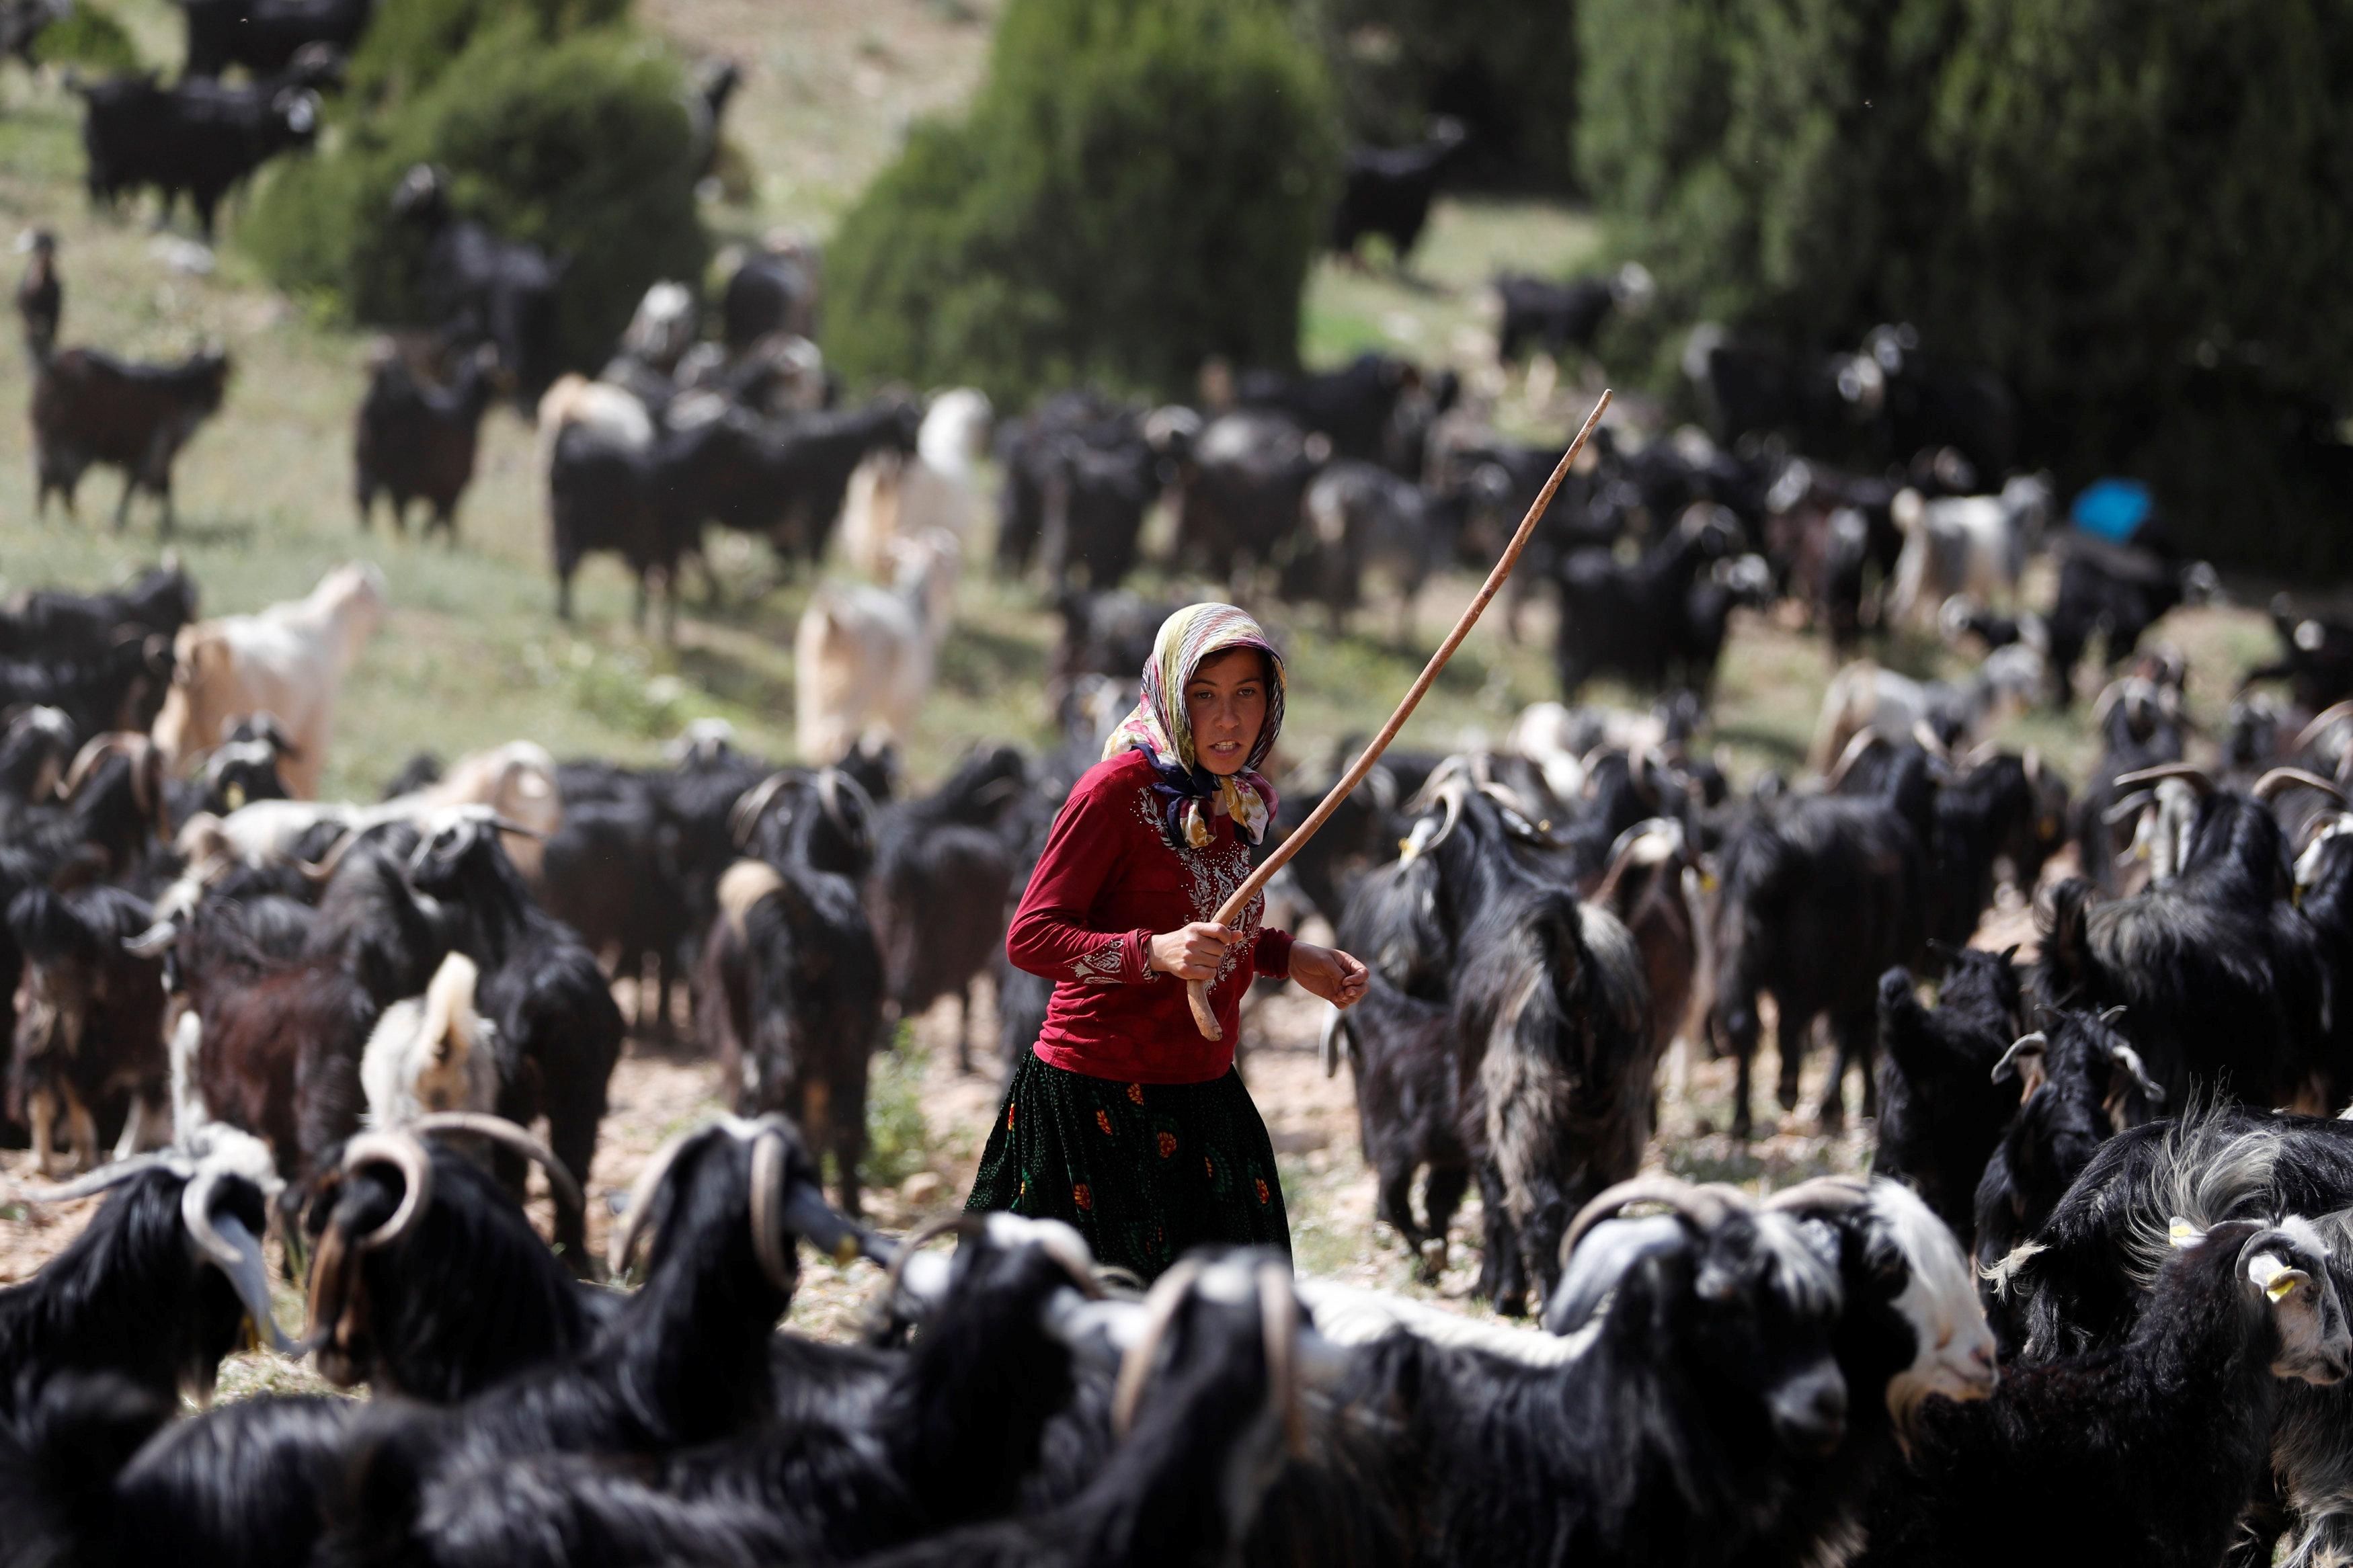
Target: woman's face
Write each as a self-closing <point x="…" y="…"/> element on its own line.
<point x="1226" y="704"/>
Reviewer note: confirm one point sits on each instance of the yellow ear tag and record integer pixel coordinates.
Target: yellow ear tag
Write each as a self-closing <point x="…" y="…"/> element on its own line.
<point x="2181" y="1233"/>
<point x="845" y="1251"/>
<point x="1707" y="881"/>
<point x="235" y="796"/>
<point x="2278" y="1288"/>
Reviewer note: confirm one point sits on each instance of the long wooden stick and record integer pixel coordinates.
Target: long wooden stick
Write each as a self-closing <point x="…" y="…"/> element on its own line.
<point x="1196" y="991"/>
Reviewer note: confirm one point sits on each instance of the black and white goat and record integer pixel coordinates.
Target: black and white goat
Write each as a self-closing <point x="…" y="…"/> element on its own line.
<point x="558" y="1032"/>
<point x="160" y="1285"/>
<point x="789" y="988"/>
<point x="2147" y="1452"/>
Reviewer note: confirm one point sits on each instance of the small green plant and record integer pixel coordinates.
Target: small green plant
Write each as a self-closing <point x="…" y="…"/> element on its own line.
<point x="898" y="1137"/>
<point x="87" y="37"/>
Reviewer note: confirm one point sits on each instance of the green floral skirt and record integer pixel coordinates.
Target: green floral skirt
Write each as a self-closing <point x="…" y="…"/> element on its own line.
<point x="1144" y="1171"/>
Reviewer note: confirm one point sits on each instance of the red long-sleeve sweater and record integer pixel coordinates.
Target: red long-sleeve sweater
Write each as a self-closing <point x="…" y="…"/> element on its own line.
<point x="1106" y="884"/>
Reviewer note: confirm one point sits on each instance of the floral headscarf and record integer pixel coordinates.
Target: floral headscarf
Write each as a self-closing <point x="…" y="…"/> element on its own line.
<point x="1161" y="731"/>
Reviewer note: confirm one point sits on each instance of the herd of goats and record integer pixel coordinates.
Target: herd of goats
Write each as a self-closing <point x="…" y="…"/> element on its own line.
<point x="2090" y="1303"/>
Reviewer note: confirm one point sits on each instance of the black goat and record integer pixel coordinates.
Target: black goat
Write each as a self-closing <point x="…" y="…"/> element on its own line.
<point x="2316" y="657"/>
<point x="1940" y="1112"/>
<point x="1359" y="515"/>
<point x="118" y="691"/>
<point x="1239" y="488"/>
<point x="89" y="1022"/>
<point x="90" y="408"/>
<point x="2141" y="725"/>
<point x="1554" y="317"/>
<point x="2219" y="976"/>
<point x="1822" y="895"/>
<point x="788" y="990"/>
<point x="479" y="288"/>
<point x="783" y="479"/>
<point x="611" y="872"/>
<point x="600" y="497"/>
<point x="198" y="137"/>
<point x="2150" y="1450"/>
<point x="1094" y="499"/>
<point x="1032" y="450"/>
<point x="1552" y="1016"/>
<point x="415" y="440"/>
<point x="158" y="1287"/>
<point x="2116" y="590"/>
<point x="53" y="623"/>
<point x="559" y="1032"/>
<point x="1652" y="622"/>
<point x="1400" y="1052"/>
<point x="264" y="36"/>
<point x="1388" y="191"/>
<point x="1355" y="407"/>
<point x="2080" y="1082"/>
<point x="937" y="893"/>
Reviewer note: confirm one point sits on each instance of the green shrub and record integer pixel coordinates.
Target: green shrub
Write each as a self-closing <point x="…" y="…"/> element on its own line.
<point x="410" y="45"/>
<point x="1139" y="183"/>
<point x="1507" y="68"/>
<point x="2135" y="214"/>
<point x="89" y="37"/>
<point x="582" y="147"/>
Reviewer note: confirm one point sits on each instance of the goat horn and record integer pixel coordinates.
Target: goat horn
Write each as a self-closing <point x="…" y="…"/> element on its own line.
<point x="2194" y="778"/>
<point x="1160" y="1305"/>
<point x="1621" y="854"/>
<point x="401" y="1151"/>
<point x="2008" y="1063"/>
<point x="2279" y="779"/>
<point x="1839" y="1194"/>
<point x="1863" y="742"/>
<point x="98" y="1181"/>
<point x="1452" y="797"/>
<point x="508" y="825"/>
<point x="1705" y="1207"/>
<point x="752" y="805"/>
<point x="319" y="870"/>
<point x="94" y="751"/>
<point x="231" y="1248"/>
<point x="769" y="1242"/>
<point x="2127" y="808"/>
<point x="1927" y="740"/>
<point x="2336" y="713"/>
<point x="961" y="1224"/>
<point x="561" y="1183"/>
<point x="1278" y="1306"/>
<point x="830" y="781"/>
<point x="641" y="1197"/>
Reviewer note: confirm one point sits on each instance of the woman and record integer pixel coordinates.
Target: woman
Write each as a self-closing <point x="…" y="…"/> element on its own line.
<point x="1123" y="1120"/>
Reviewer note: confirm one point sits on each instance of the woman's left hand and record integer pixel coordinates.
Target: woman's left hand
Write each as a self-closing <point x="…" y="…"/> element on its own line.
<point x="1328" y="973"/>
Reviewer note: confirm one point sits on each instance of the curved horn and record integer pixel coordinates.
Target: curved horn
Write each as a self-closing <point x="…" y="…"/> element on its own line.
<point x="963" y="1224"/>
<point x="1927" y="740"/>
<point x="1856" y="748"/>
<point x="319" y="871"/>
<point x="150" y="942"/>
<point x="641" y="1197"/>
<point x="752" y="805"/>
<point x="2041" y="1043"/>
<point x="1278" y="1307"/>
<point x="1705" y="1207"/>
<point x="2280" y="779"/>
<point x="2194" y="778"/>
<point x="107" y="1176"/>
<point x="230" y="1247"/>
<point x="2334" y="713"/>
<point x="1621" y="853"/>
<point x="508" y="825"/>
<point x="94" y="751"/>
<point x="1840" y="1194"/>
<point x="403" y="1152"/>
<point x="1452" y="796"/>
<point x="2127" y="808"/>
<point x="830" y="783"/>
<point x="769" y="1242"/>
<point x="1160" y="1305"/>
<point x="561" y="1183"/>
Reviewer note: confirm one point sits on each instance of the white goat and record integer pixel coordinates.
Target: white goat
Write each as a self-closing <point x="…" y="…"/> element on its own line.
<point x="864" y="656"/>
<point x="1862" y="696"/>
<point x="893" y="498"/>
<point x="1965" y="545"/>
<point x="290" y="660"/>
<point x="432" y="1052"/>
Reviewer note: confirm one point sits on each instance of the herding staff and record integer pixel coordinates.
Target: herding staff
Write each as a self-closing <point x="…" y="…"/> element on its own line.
<point x="1196" y="991"/>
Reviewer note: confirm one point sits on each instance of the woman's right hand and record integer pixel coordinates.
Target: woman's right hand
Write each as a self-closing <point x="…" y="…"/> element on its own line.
<point x="1192" y="952"/>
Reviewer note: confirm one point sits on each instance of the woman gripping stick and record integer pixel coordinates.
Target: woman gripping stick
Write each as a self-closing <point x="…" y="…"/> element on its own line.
<point x="1124" y="1120"/>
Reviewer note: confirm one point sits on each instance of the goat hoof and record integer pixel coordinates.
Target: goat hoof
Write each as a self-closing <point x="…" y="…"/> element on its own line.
<point x="1786" y="1096"/>
<point x="1432" y="1262"/>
